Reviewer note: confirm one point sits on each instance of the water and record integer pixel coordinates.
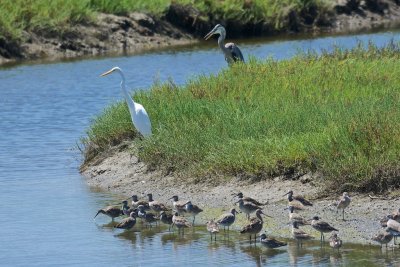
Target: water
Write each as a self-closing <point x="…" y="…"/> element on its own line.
<point x="46" y="211"/>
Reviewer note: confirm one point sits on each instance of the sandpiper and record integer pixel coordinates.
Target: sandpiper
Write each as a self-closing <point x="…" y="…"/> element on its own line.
<point x="155" y="205"/>
<point x="393" y="227"/>
<point x="213" y="228"/>
<point x="254" y="226"/>
<point x="293" y="198"/>
<point x="322" y="227"/>
<point x="249" y="199"/>
<point x="299" y="234"/>
<point x="343" y="203"/>
<point x="227" y="219"/>
<point x="179" y="206"/>
<point x="127" y="223"/>
<point x="148" y="217"/>
<point x="295" y="217"/>
<point x="270" y="242"/>
<point x="110" y="211"/>
<point x="180" y="222"/>
<point x="166" y="219"/>
<point x="335" y="241"/>
<point x="383" y="238"/>
<point x="126" y="209"/>
<point x="136" y="202"/>
<point x="247" y="207"/>
<point x="192" y="210"/>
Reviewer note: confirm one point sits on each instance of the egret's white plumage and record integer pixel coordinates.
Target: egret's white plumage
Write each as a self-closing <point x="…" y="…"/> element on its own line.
<point x="139" y="116"/>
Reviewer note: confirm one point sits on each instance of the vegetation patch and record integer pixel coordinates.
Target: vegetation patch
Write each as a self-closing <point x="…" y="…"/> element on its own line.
<point x="56" y="16"/>
<point x="336" y="113"/>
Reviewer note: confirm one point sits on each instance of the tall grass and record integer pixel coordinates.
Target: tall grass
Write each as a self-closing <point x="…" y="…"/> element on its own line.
<point x="337" y="113"/>
<point x="57" y="15"/>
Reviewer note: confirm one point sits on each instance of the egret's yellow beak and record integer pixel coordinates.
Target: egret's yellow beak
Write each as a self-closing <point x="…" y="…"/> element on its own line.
<point x="106" y="73"/>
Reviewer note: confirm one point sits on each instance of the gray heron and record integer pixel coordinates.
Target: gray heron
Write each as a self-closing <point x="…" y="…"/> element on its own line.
<point x="231" y="51"/>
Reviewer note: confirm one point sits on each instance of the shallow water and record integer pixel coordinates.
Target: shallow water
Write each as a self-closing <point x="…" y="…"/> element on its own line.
<point x="46" y="211"/>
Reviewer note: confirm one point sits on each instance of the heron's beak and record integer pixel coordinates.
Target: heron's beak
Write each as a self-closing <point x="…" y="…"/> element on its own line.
<point x="106" y="73"/>
<point x="208" y="35"/>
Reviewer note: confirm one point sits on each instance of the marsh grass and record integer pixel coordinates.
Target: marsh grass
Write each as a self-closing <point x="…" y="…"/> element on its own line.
<point x="56" y="16"/>
<point x="337" y="113"/>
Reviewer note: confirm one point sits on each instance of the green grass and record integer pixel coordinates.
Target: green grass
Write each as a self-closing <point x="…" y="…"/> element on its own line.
<point x="337" y="114"/>
<point x="57" y="15"/>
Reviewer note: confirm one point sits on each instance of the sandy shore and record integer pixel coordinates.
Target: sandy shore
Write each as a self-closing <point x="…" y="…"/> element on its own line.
<point x="120" y="172"/>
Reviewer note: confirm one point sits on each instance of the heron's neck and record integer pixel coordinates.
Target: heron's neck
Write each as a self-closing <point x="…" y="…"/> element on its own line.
<point x="221" y="44"/>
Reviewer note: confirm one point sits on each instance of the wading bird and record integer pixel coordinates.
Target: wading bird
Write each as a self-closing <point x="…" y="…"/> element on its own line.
<point x="343" y="203"/>
<point x="322" y="227"/>
<point x="249" y="199"/>
<point x="335" y="241"/>
<point x="227" y="219"/>
<point x="213" y="228"/>
<point x="127" y="223"/>
<point x="110" y="211"/>
<point x="383" y="238"/>
<point x="299" y="234"/>
<point x="254" y="226"/>
<point x="139" y="116"/>
<point x="270" y="242"/>
<point x="231" y="51"/>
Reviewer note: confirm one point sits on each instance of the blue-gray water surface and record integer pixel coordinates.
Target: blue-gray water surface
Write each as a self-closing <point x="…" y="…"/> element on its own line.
<point x="46" y="211"/>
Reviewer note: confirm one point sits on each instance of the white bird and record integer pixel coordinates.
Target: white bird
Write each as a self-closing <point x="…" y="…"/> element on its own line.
<point x="231" y="51"/>
<point x="139" y="116"/>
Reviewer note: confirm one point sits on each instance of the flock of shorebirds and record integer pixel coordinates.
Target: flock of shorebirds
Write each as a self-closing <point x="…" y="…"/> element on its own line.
<point x="151" y="211"/>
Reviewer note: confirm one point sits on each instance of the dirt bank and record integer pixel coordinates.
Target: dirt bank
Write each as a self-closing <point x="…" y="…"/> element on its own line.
<point x="110" y="34"/>
<point x="120" y="172"/>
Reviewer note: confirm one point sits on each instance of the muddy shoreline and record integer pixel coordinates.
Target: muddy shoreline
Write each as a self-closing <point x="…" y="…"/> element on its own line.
<point x="120" y="172"/>
<point x="182" y="25"/>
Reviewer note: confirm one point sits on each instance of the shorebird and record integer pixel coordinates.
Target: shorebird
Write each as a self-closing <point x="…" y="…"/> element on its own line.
<point x="322" y="227"/>
<point x="254" y="226"/>
<point x="192" y="209"/>
<point x="126" y="209"/>
<point x="270" y="242"/>
<point x="179" y="206"/>
<point x="249" y="199"/>
<point x="227" y="219"/>
<point x="148" y="217"/>
<point x="136" y="202"/>
<point x="127" y="223"/>
<point x="110" y="211"/>
<point x="383" y="238"/>
<point x="213" y="228"/>
<point x="298" y="202"/>
<point x="343" y="203"/>
<point x="295" y="217"/>
<point x="166" y="219"/>
<point x="299" y="234"/>
<point x="155" y="205"/>
<point x="335" y="241"/>
<point x="393" y="227"/>
<point x="180" y="223"/>
<point x="247" y="207"/>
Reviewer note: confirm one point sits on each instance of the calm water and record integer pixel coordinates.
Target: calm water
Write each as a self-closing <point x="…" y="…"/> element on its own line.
<point x="46" y="211"/>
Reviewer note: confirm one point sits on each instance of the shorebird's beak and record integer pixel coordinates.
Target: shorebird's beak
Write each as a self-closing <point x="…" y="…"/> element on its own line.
<point x="106" y="73"/>
<point x="285" y="194"/>
<point x="209" y="35"/>
<point x="266" y="215"/>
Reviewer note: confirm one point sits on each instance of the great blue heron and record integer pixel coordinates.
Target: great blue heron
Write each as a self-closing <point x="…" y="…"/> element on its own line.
<point x="139" y="116"/>
<point x="231" y="51"/>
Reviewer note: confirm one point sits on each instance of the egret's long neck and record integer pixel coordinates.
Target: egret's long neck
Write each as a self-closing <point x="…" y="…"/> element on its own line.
<point x="128" y="98"/>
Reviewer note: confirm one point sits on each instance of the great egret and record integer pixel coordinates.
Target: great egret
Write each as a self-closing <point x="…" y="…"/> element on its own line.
<point x="231" y="51"/>
<point x="139" y="116"/>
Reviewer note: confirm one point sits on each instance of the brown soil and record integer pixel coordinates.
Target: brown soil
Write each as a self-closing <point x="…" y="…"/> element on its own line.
<point x="111" y="34"/>
<point x="120" y="172"/>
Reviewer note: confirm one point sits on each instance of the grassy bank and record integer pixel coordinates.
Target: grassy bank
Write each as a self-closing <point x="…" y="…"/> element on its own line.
<point x="337" y="114"/>
<point x="55" y="16"/>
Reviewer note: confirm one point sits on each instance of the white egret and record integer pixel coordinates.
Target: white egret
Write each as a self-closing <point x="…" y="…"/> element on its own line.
<point x="139" y="116"/>
<point x="231" y="51"/>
